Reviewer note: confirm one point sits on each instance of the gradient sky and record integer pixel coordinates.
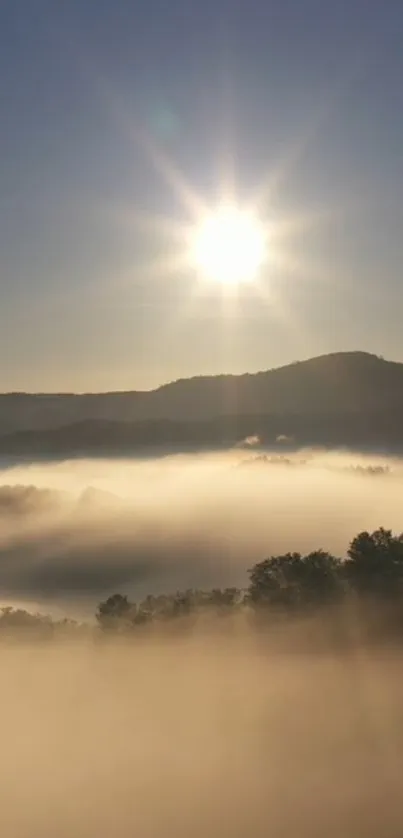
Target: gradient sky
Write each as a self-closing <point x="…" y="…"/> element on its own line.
<point x="305" y="96"/>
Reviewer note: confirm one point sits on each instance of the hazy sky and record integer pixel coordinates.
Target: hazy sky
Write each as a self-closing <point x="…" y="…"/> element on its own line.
<point x="305" y="95"/>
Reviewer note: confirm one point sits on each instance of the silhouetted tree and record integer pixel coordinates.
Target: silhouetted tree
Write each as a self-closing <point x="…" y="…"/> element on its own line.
<point x="224" y="600"/>
<point x="375" y="562"/>
<point x="155" y="607"/>
<point x="18" y="621"/>
<point x="295" y="580"/>
<point x="116" y="613"/>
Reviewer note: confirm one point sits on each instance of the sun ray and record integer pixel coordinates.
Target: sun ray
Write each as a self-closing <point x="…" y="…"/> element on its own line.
<point x="198" y="246"/>
<point x="136" y="221"/>
<point x="272" y="181"/>
<point x="172" y="175"/>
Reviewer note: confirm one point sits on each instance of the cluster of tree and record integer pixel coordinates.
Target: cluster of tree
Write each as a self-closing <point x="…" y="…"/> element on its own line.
<point x="281" y="460"/>
<point x="17" y="622"/>
<point x="373" y="568"/>
<point x="119" y="613"/>
<point x="289" y="583"/>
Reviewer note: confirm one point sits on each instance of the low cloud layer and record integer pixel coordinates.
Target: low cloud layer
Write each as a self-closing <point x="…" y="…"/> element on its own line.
<point x="224" y="732"/>
<point x="200" y="737"/>
<point x="73" y="532"/>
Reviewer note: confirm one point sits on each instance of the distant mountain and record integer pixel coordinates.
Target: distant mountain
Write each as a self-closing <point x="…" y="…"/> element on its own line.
<point x="351" y="398"/>
<point x="347" y="381"/>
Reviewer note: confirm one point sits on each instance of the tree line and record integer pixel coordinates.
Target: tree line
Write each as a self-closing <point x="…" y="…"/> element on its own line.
<point x="373" y="568"/>
<point x="290" y="583"/>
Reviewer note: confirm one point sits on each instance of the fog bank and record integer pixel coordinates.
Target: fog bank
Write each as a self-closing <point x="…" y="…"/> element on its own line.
<point x="75" y="531"/>
<point x="200" y="737"/>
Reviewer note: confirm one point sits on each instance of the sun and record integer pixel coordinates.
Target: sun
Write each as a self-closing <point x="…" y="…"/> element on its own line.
<point x="229" y="246"/>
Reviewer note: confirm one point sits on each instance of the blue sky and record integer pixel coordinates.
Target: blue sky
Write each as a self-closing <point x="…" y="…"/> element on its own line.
<point x="303" y="94"/>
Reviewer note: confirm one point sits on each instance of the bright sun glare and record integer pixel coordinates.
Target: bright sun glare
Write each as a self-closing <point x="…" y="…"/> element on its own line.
<point x="229" y="246"/>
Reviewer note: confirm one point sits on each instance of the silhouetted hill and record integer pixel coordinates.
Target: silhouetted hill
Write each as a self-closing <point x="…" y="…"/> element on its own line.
<point x="341" y="399"/>
<point x="349" y="381"/>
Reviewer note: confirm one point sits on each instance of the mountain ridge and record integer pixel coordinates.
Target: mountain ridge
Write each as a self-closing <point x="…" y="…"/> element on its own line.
<point x="346" y="384"/>
<point x="200" y="376"/>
